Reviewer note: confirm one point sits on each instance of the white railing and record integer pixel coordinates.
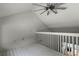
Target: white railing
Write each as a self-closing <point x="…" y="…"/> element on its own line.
<point x="68" y="43"/>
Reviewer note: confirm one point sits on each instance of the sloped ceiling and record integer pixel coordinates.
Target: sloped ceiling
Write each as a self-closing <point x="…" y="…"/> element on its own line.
<point x="64" y="18"/>
<point x="7" y="9"/>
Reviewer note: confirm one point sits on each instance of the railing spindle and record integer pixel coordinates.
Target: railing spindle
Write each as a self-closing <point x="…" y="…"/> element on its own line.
<point x="63" y="44"/>
<point x="69" y="45"/>
<point x="66" y="45"/>
<point x="76" y="46"/>
<point x="60" y="43"/>
<point x="73" y="50"/>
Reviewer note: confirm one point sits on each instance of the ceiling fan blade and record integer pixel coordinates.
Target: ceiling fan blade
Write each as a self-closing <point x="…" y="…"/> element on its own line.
<point x="38" y="9"/>
<point x="48" y="4"/>
<point x="55" y="11"/>
<point x="48" y="13"/>
<point x="38" y="5"/>
<point x="53" y="4"/>
<point x="43" y="12"/>
<point x="62" y="8"/>
<point x="59" y="4"/>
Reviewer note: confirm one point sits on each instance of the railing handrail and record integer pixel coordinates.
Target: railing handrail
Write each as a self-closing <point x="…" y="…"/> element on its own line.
<point x="60" y="33"/>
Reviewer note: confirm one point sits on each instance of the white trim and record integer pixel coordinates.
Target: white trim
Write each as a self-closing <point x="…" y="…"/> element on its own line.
<point x="60" y="33"/>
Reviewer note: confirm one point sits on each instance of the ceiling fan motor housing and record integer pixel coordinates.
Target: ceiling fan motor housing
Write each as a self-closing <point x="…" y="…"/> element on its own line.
<point x="50" y="7"/>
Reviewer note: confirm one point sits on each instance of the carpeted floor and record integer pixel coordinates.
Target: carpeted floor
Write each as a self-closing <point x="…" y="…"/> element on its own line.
<point x="33" y="50"/>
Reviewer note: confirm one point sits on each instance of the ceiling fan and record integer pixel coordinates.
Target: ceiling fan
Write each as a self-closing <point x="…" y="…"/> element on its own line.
<point x="50" y="6"/>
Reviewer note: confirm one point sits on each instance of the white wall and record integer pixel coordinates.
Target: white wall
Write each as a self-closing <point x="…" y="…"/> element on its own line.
<point x="64" y="18"/>
<point x="0" y="35"/>
<point x="18" y="27"/>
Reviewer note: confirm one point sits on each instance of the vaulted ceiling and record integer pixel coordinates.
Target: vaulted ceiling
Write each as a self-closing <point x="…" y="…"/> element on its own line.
<point x="64" y="18"/>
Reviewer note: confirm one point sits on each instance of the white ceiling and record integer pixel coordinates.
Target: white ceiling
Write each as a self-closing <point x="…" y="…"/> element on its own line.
<point x="12" y="8"/>
<point x="64" y="18"/>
